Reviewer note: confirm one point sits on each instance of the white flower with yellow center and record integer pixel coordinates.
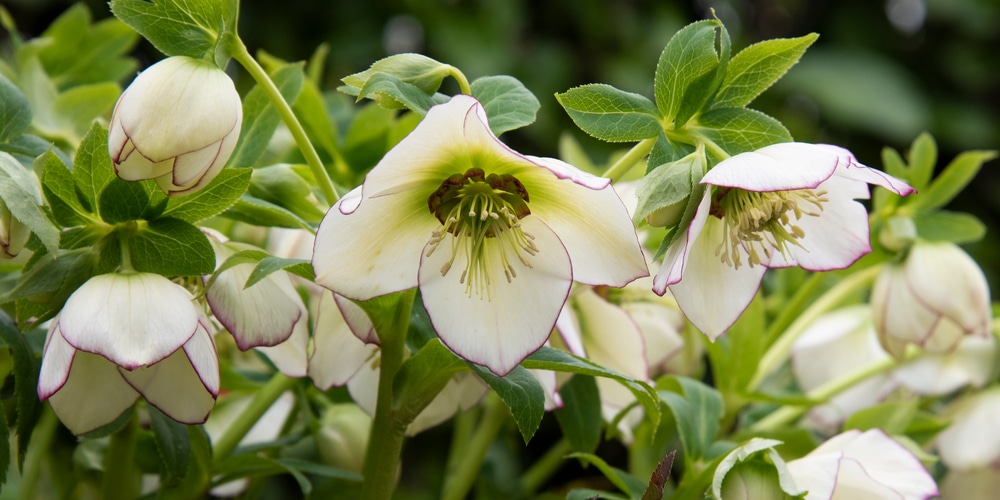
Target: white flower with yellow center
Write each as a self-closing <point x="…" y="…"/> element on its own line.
<point x="492" y="238"/>
<point x="789" y="204"/>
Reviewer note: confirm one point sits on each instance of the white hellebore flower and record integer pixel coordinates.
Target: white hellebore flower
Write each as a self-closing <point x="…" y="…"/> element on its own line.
<point x="120" y="336"/>
<point x="493" y="238"/>
<point x="972" y="440"/>
<point x="178" y="122"/>
<point x="857" y="465"/>
<point x="789" y="204"/>
<point x="937" y="296"/>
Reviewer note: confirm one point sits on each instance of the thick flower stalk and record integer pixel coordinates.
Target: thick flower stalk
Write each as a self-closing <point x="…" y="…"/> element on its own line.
<point x="937" y="296"/>
<point x="857" y="464"/>
<point x="178" y="122"/>
<point x="789" y="204"/>
<point x="492" y="238"/>
<point x="120" y="336"/>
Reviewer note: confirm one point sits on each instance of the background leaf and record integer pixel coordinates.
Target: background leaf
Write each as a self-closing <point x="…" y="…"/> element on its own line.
<point x="755" y="68"/>
<point x="610" y="114"/>
<point x="177" y="27"/>
<point x="508" y="103"/>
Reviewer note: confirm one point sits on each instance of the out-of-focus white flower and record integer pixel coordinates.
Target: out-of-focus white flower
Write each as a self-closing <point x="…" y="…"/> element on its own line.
<point x="120" y="336"/>
<point x="789" y="204"/>
<point x="343" y="436"/>
<point x="970" y="363"/>
<point x="859" y="465"/>
<point x="178" y="122"/>
<point x="492" y="238"/>
<point x="933" y="299"/>
<point x="972" y="440"/>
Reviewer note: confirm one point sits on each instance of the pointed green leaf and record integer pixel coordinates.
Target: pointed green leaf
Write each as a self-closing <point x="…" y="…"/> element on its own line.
<point x="418" y="70"/>
<point x="177" y="27"/>
<point x="622" y="480"/>
<point x="923" y="159"/>
<point x="221" y="194"/>
<point x="508" y="103"/>
<point x="123" y="201"/>
<point x="523" y="395"/>
<point x="610" y="114"/>
<point x="21" y="193"/>
<point x="893" y="417"/>
<point x="666" y="187"/>
<point x="953" y="179"/>
<point x="263" y="213"/>
<point x="173" y="444"/>
<point x="755" y="68"/>
<point x="956" y="227"/>
<point x="26" y="367"/>
<point x="260" y="119"/>
<point x="687" y="64"/>
<point x="300" y="267"/>
<point x="60" y="190"/>
<point x="171" y="247"/>
<point x="697" y="409"/>
<point x="392" y="93"/>
<point x="580" y="415"/>
<point x="738" y="130"/>
<point x="56" y="278"/>
<point x="92" y="168"/>
<point x="15" y="113"/>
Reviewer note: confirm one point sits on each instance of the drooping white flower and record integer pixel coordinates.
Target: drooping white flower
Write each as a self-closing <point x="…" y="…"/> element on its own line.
<point x="859" y="465"/>
<point x="124" y="335"/>
<point x="937" y="296"/>
<point x="492" y="238"/>
<point x="972" y="440"/>
<point x="789" y="204"/>
<point x="178" y="122"/>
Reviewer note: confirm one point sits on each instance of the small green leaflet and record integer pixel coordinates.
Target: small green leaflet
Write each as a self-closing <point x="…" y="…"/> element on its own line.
<point x="178" y="27"/>
<point x="610" y="114"/>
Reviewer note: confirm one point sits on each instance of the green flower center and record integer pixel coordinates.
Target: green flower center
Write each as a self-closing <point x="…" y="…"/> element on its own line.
<point x="480" y="210"/>
<point x="760" y="222"/>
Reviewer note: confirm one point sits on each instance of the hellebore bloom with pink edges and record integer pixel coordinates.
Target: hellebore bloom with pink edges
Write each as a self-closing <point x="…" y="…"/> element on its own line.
<point x="493" y="238"/>
<point x="120" y="336"/>
<point x="789" y="204"/>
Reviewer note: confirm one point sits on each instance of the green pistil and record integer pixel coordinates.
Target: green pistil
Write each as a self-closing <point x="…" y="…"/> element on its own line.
<point x="760" y="223"/>
<point x="476" y="210"/>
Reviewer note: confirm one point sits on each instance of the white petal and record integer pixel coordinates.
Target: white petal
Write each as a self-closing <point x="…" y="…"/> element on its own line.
<point x="363" y="386"/>
<point x="973" y="438"/>
<point x="951" y="283"/>
<point x="357" y="319"/>
<point x="568" y="327"/>
<point x="290" y="356"/>
<point x="884" y="461"/>
<point x="56" y="362"/>
<point x="816" y="473"/>
<point x="132" y="319"/>
<point x="462" y="392"/>
<point x="133" y="165"/>
<point x="613" y="341"/>
<point x="778" y="167"/>
<point x="657" y="323"/>
<point x="201" y="352"/>
<point x="714" y="294"/>
<point x="593" y="225"/>
<point x="337" y="353"/>
<point x="174" y="387"/>
<point x="375" y="249"/>
<point x="939" y="374"/>
<point x="675" y="260"/>
<point x="858" y="172"/>
<point x="94" y="395"/>
<point x="262" y="315"/>
<point x="900" y="317"/>
<point x="501" y="331"/>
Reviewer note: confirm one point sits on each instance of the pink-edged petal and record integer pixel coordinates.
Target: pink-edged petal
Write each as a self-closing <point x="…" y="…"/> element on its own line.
<point x="714" y="294"/>
<point x="950" y="282"/>
<point x="290" y="357"/>
<point x="174" y="387"/>
<point x="971" y="363"/>
<point x="191" y="166"/>
<point x="897" y="320"/>
<point x="262" y="315"/>
<point x="462" y="392"/>
<point x="972" y="440"/>
<point x="816" y="473"/>
<point x="94" y="395"/>
<point x="56" y="362"/>
<point x="201" y="352"/>
<point x="569" y="330"/>
<point x="675" y="260"/>
<point x="132" y="319"/>
<point x="357" y="320"/>
<point x="375" y="249"/>
<point x="659" y="327"/>
<point x="883" y="461"/>
<point x="337" y="353"/>
<point x="592" y="223"/>
<point x="498" y="331"/>
<point x="612" y="340"/>
<point x="858" y="172"/>
<point x="779" y="167"/>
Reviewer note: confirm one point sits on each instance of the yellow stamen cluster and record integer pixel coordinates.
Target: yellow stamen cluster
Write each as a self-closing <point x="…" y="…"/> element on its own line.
<point x="759" y="222"/>
<point x="480" y="210"/>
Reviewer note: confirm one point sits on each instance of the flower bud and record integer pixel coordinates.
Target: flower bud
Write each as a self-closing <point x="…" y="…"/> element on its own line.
<point x="13" y="234"/>
<point x="753" y="480"/>
<point x="935" y="298"/>
<point x="343" y="439"/>
<point x="178" y="122"/>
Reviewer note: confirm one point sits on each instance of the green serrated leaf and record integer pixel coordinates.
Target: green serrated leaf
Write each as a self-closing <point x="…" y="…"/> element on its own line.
<point x="697" y="409"/>
<point x="392" y="93"/>
<point x="92" y="168"/>
<point x="421" y="377"/>
<point x="60" y="190"/>
<point x="51" y="280"/>
<point x="418" y="70"/>
<point x="260" y="119"/>
<point x="173" y="444"/>
<point x="580" y="415"/>
<point x="15" y="112"/>
<point x="171" y="247"/>
<point x="690" y="57"/>
<point x="548" y="358"/>
<point x="263" y="213"/>
<point x="299" y="267"/>
<point x="956" y="227"/>
<point x="666" y="150"/>
<point x="177" y="27"/>
<point x="610" y="114"/>
<point x="953" y="179"/>
<point x="738" y="130"/>
<point x="199" y="471"/>
<point x="26" y="368"/>
<point x="755" y="68"/>
<point x="508" y="103"/>
<point x="667" y="187"/>
<point x="523" y="395"/>
<point x="122" y="201"/>
<point x="221" y="194"/>
<point x="21" y="193"/>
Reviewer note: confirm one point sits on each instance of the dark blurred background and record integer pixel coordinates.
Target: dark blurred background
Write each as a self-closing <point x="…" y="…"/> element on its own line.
<point x="881" y="72"/>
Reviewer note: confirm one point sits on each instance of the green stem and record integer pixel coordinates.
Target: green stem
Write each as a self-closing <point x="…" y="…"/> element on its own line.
<point x="786" y="414"/>
<point x="41" y="441"/>
<point x="385" y="442"/>
<point x="463" y="425"/>
<point x="458" y="484"/>
<point x="121" y="481"/>
<point x="625" y="163"/>
<point x="794" y="307"/>
<point x="463" y="82"/>
<point x="544" y="467"/>
<point x="265" y="397"/>
<point x="779" y="350"/>
<point x="242" y="55"/>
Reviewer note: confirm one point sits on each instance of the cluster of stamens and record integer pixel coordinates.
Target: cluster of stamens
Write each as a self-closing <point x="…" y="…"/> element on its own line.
<point x="478" y="211"/>
<point x="760" y="222"/>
